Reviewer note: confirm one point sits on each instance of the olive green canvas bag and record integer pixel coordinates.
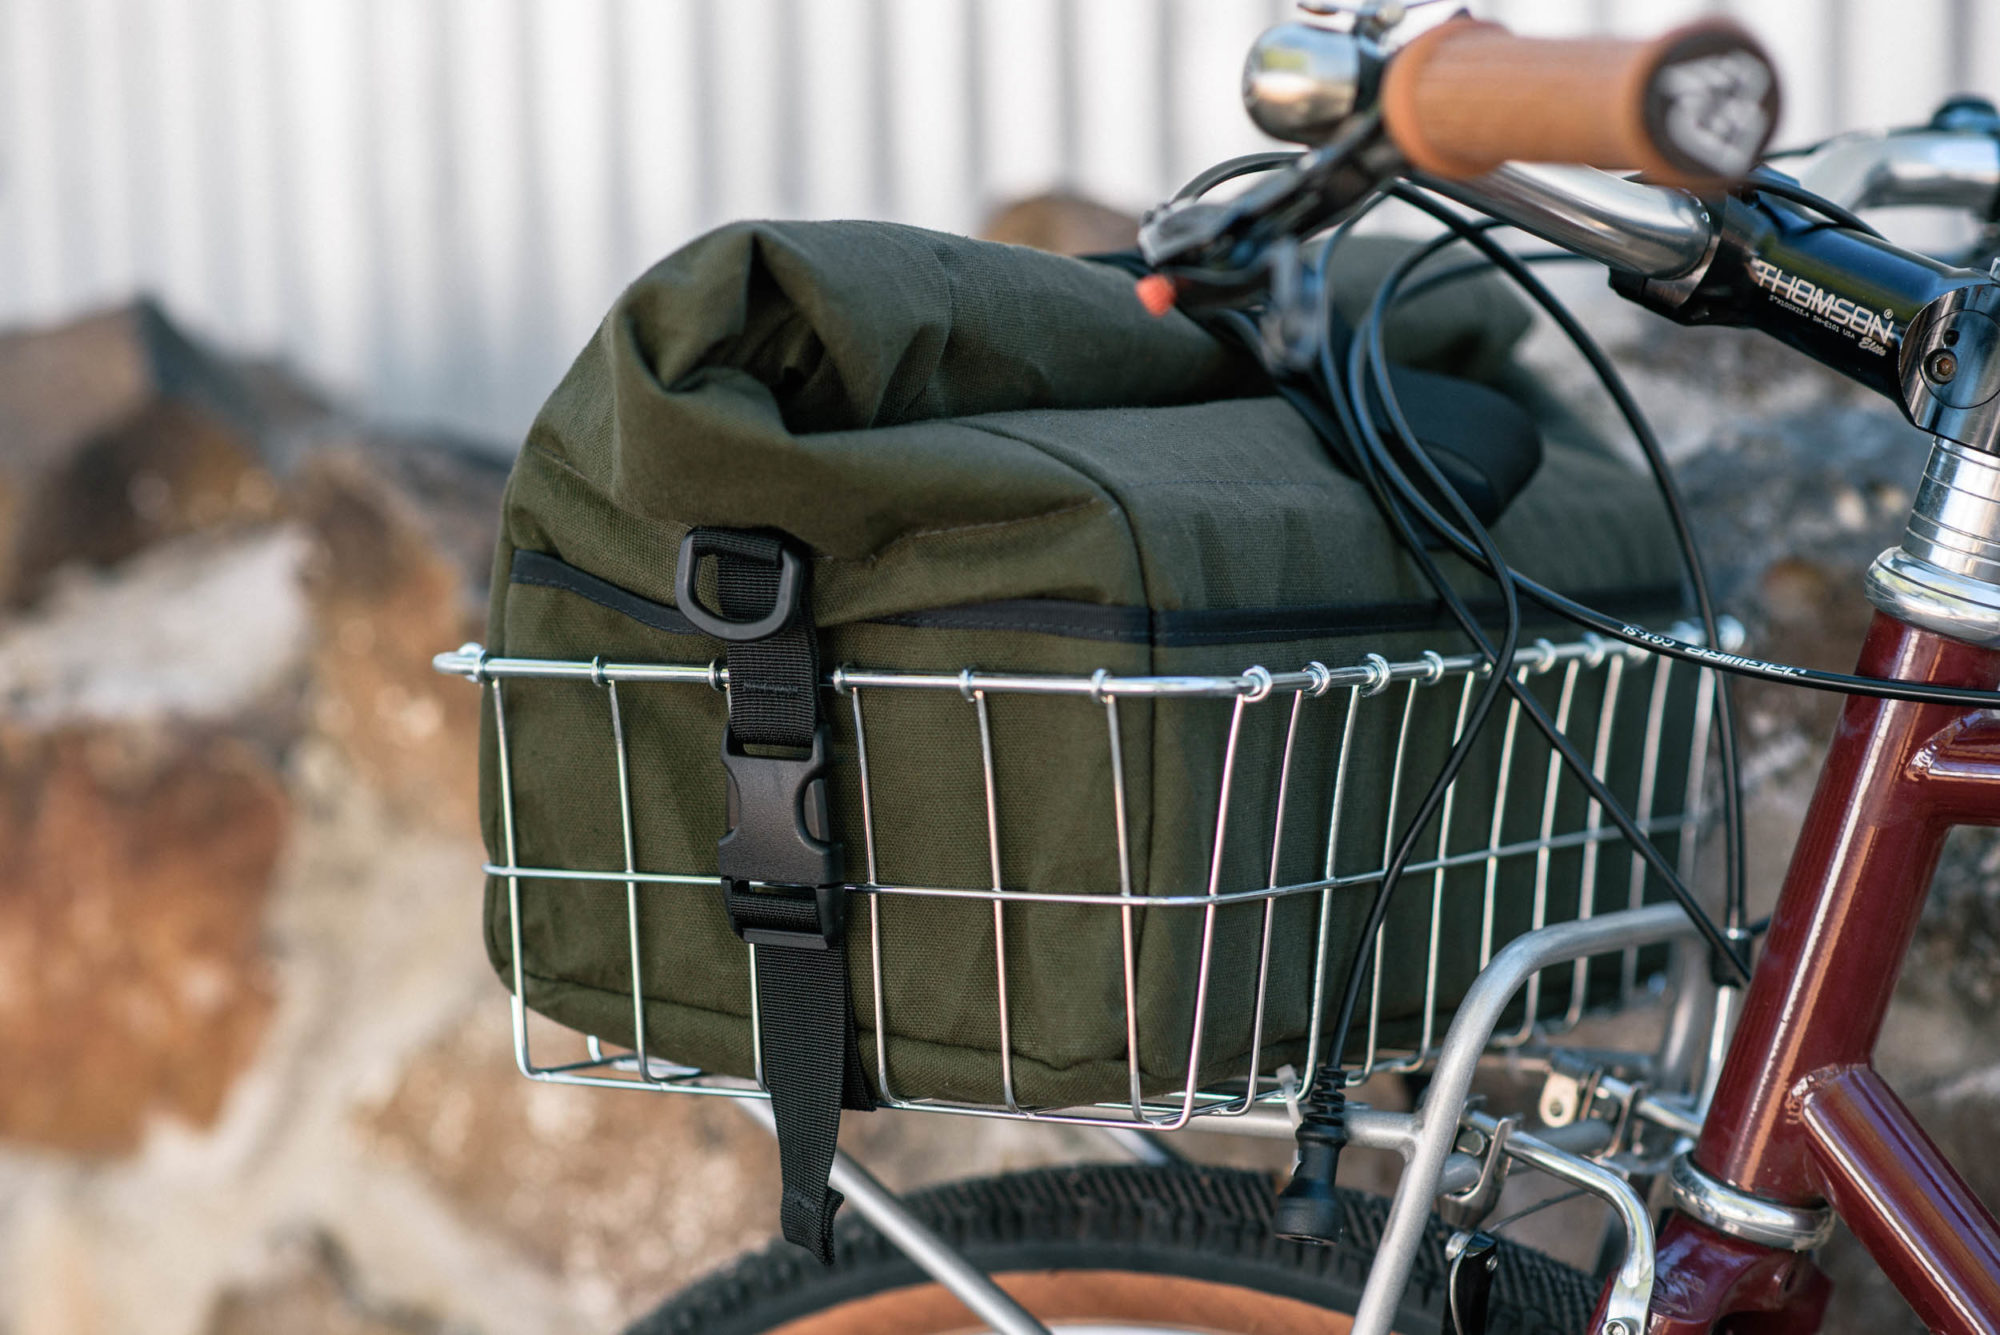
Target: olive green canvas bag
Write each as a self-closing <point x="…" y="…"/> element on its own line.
<point x="982" y="457"/>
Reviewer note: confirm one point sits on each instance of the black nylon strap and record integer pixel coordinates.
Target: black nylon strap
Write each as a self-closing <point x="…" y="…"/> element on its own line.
<point x="773" y="682"/>
<point x="812" y="1060"/>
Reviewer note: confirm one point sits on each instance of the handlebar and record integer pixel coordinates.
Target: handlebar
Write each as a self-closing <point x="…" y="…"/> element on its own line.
<point x="1662" y="233"/>
<point x="1647" y="230"/>
<point x="1461" y="103"/>
<point x="1744" y="246"/>
<point x="1951" y="168"/>
<point x="1696" y="105"/>
<point x="1464" y="106"/>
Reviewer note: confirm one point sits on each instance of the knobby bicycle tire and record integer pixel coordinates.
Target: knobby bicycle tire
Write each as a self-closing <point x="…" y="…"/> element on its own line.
<point x="1185" y="1248"/>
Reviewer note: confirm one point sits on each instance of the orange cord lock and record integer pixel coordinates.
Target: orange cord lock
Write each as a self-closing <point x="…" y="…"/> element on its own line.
<point x="1156" y="292"/>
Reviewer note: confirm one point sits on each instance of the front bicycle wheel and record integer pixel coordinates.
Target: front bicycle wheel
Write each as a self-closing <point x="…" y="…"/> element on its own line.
<point x="1112" y="1250"/>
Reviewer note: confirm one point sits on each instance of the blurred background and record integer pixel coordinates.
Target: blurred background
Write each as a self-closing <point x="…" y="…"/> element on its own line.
<point x="426" y="204"/>
<point x="281" y="285"/>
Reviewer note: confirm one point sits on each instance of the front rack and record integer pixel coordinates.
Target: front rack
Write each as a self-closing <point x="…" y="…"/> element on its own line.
<point x="1621" y="679"/>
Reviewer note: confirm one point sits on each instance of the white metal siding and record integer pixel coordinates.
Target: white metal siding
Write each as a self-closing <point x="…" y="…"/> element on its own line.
<point x="427" y="204"/>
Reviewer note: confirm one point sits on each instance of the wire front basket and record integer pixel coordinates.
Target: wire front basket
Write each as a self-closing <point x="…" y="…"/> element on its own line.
<point x="1515" y="817"/>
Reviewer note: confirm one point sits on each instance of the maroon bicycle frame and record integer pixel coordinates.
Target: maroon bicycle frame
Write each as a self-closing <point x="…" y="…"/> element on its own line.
<point x="1799" y="1114"/>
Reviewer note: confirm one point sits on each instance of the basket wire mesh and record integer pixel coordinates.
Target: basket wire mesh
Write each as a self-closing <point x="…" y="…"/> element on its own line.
<point x="1398" y="684"/>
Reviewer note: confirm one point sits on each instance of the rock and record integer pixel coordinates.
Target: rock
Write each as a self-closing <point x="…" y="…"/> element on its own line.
<point x="368" y="935"/>
<point x="214" y="629"/>
<point x="628" y="1196"/>
<point x="625" y="1196"/>
<point x="1956" y="960"/>
<point x="1065" y="223"/>
<point x="118" y="431"/>
<point x="132" y="982"/>
<point x="219" y="912"/>
<point x="386" y="595"/>
<point x="141" y="818"/>
<point x="315" y="1293"/>
<point x="446" y="493"/>
<point x="224" y="923"/>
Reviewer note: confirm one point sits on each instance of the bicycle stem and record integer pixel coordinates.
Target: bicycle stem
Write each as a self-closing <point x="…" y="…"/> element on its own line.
<point x="1902" y="324"/>
<point x="1921" y="333"/>
<point x="1924" y="334"/>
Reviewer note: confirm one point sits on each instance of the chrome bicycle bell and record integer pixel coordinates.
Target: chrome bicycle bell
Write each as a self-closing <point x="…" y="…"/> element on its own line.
<point x="1302" y="81"/>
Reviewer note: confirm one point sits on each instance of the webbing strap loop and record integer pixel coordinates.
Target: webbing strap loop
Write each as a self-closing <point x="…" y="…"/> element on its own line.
<point x="782" y="869"/>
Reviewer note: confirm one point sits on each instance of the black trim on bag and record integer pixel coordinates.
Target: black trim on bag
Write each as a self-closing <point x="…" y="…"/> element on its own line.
<point x="1100" y="621"/>
<point x="545" y="572"/>
<point x="1050" y="616"/>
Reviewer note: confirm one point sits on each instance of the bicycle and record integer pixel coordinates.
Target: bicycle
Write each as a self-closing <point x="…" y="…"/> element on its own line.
<point x="1759" y="1120"/>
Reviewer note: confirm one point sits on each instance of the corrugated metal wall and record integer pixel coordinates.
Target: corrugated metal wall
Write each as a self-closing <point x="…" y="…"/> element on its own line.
<point x="428" y="203"/>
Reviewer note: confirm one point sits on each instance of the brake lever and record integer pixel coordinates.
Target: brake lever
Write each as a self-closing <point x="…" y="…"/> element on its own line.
<point x="1217" y="248"/>
<point x="1199" y="234"/>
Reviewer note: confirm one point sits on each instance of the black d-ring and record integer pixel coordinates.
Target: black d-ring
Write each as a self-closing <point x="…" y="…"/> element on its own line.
<point x="791" y="572"/>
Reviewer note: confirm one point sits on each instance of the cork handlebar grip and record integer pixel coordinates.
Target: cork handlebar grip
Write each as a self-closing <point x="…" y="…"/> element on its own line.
<point x="1695" y="106"/>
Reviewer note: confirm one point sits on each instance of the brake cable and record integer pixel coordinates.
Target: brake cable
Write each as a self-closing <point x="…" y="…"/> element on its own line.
<point x="1464" y="534"/>
<point x="1479" y="549"/>
<point x="1728" y="754"/>
<point x="1348" y="394"/>
<point x="1356" y="424"/>
<point x="1768" y="182"/>
<point x="1231" y="168"/>
<point x="1840" y="683"/>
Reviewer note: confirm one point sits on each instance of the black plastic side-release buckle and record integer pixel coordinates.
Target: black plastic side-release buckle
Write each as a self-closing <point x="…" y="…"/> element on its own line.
<point x="779" y="828"/>
<point x="804" y="917"/>
<point x="780" y="833"/>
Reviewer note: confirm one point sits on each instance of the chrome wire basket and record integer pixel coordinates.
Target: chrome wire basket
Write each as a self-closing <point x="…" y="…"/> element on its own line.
<point x="1613" y="700"/>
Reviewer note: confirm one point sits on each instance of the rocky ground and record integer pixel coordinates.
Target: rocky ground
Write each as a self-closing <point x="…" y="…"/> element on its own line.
<point x="258" y="1072"/>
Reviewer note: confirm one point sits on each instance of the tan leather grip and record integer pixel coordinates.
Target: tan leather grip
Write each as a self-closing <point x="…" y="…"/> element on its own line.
<point x="1697" y="105"/>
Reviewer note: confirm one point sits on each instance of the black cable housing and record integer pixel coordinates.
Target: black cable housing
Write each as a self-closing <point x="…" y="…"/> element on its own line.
<point x="1231" y="168"/>
<point x="1350" y="395"/>
<point x="1727" y="752"/>
<point x="1839" y="683"/>
<point x="1354" y="393"/>
<point x="1768" y="182"/>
